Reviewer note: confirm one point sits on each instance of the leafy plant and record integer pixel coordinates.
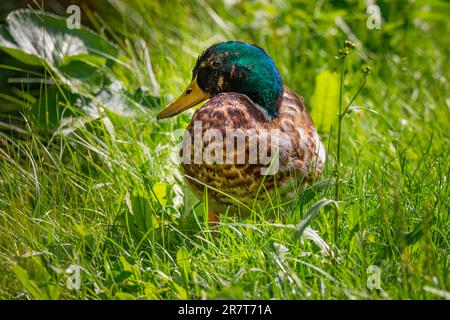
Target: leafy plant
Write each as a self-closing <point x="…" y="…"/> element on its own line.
<point x="90" y="74"/>
<point x="343" y="55"/>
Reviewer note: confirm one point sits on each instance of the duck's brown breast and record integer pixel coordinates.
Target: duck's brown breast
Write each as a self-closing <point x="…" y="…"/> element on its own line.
<point x="213" y="156"/>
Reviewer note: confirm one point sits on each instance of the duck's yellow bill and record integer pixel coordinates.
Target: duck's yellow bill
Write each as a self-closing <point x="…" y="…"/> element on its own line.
<point x="192" y="96"/>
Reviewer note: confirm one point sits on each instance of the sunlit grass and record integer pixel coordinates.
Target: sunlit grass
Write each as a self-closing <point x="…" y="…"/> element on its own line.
<point x="108" y="199"/>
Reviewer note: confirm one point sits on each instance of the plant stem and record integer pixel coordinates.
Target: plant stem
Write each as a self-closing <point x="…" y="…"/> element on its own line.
<point x="341" y="91"/>
<point x="363" y="84"/>
<point x="336" y="191"/>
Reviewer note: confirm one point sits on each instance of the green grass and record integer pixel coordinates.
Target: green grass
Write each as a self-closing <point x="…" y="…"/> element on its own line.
<point x="108" y="198"/>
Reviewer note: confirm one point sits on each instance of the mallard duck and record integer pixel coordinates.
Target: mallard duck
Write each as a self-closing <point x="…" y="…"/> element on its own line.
<point x="244" y="93"/>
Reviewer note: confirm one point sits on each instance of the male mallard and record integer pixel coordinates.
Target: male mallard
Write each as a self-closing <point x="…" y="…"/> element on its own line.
<point x="246" y="96"/>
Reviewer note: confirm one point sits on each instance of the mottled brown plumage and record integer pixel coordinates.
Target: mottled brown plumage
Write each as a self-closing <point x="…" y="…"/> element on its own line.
<point x="301" y="160"/>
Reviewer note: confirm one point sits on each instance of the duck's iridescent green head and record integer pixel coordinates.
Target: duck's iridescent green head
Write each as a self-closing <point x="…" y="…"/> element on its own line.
<point x="232" y="66"/>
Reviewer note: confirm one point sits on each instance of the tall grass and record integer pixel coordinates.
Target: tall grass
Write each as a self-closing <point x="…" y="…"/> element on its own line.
<point x="107" y="201"/>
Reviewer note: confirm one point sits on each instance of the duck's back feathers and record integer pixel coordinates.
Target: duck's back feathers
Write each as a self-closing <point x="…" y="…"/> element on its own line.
<point x="307" y="153"/>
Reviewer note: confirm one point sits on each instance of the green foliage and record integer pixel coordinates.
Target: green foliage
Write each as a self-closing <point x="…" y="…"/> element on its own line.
<point x="183" y="262"/>
<point x="313" y="212"/>
<point x="34" y="277"/>
<point x="324" y="100"/>
<point x="81" y="63"/>
<point x="106" y="197"/>
<point x="9" y="45"/>
<point x="48" y="110"/>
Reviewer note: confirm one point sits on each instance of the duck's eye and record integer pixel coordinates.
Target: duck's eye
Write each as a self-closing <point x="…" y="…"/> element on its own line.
<point x="217" y="63"/>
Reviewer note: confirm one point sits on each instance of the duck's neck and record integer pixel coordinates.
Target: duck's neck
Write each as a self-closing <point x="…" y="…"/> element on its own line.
<point x="264" y="87"/>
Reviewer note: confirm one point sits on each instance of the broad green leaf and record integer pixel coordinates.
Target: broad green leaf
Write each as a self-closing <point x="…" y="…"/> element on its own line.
<point x="34" y="277"/>
<point x="94" y="61"/>
<point x="35" y="270"/>
<point x="160" y="191"/>
<point x="151" y="291"/>
<point x="81" y="59"/>
<point x="85" y="62"/>
<point x="50" y="108"/>
<point x="83" y="76"/>
<point x="128" y="264"/>
<point x="9" y="45"/>
<point x="27" y="283"/>
<point x="47" y="37"/>
<point x="142" y="210"/>
<point x="183" y="261"/>
<point x="325" y="100"/>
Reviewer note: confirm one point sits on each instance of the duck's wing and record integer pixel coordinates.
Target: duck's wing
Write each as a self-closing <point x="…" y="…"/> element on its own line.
<point x="306" y="152"/>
